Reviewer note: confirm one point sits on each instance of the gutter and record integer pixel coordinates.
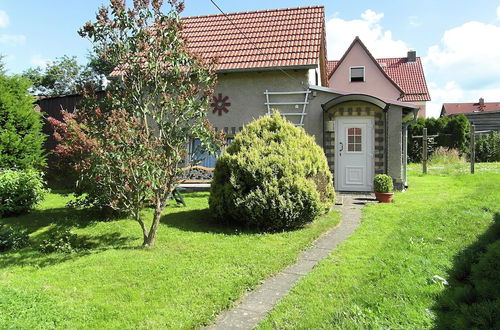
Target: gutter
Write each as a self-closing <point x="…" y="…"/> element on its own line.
<point x="269" y="68"/>
<point x="405" y="146"/>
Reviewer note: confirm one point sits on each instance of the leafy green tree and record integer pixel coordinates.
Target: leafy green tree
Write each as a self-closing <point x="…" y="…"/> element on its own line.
<point x="2" y="66"/>
<point x="131" y="145"/>
<point x="21" y="137"/>
<point x="63" y="76"/>
<point x="452" y="133"/>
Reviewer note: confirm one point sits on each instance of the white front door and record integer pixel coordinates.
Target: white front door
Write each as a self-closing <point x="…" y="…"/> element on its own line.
<point x="354" y="154"/>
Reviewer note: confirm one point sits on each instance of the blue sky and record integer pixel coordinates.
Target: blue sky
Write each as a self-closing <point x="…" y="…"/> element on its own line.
<point x="459" y="41"/>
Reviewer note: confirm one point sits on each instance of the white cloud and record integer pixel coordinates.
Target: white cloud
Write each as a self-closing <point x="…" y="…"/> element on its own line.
<point x="464" y="66"/>
<point x="9" y="39"/>
<point x="12" y="39"/>
<point x="38" y="60"/>
<point x="414" y="21"/>
<point x="4" y="19"/>
<point x="340" y="33"/>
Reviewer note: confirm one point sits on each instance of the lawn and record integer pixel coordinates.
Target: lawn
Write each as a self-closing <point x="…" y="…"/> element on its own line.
<point x="392" y="272"/>
<point x="195" y="270"/>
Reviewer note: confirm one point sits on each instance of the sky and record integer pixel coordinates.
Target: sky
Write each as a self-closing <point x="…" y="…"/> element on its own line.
<point x="458" y="41"/>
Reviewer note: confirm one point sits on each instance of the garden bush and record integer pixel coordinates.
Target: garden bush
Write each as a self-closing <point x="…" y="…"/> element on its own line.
<point x="472" y="300"/>
<point x="11" y="238"/>
<point x="61" y="240"/>
<point x="20" y="191"/>
<point x="488" y="148"/>
<point x="452" y="133"/>
<point x="21" y="137"/>
<point x="382" y="183"/>
<point x="273" y="177"/>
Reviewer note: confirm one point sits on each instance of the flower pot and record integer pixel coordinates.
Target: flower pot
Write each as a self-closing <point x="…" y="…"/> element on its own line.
<point x="384" y="197"/>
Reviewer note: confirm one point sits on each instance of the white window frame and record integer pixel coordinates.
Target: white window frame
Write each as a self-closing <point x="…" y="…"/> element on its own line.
<point x="347" y="141"/>
<point x="357" y="67"/>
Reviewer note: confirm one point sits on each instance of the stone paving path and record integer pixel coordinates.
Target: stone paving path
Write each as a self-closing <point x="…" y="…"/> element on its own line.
<point x="255" y="305"/>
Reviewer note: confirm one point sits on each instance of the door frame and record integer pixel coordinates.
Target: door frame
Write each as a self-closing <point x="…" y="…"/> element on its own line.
<point x="370" y="141"/>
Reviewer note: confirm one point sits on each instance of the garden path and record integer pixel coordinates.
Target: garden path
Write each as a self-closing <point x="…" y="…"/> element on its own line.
<point x="255" y="305"/>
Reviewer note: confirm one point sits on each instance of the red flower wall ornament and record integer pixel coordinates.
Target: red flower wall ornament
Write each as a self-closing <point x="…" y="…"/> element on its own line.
<point x="220" y="104"/>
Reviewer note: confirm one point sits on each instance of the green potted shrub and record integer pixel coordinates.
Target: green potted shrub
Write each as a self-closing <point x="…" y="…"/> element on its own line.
<point x="382" y="184"/>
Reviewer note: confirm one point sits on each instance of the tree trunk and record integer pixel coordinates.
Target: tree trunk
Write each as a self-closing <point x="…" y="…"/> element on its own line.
<point x="143" y="227"/>
<point x="150" y="239"/>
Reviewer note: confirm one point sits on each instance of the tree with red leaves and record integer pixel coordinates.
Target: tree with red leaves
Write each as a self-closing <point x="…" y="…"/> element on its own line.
<point x="130" y="145"/>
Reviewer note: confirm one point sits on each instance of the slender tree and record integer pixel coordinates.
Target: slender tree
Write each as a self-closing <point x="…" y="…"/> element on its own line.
<point x="132" y="149"/>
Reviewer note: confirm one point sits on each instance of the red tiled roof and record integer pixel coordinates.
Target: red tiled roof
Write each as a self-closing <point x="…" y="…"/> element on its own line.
<point x="409" y="76"/>
<point x="284" y="37"/>
<point x="456" y="108"/>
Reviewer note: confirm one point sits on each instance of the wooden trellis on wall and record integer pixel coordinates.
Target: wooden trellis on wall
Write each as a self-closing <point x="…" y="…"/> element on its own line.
<point x="289" y="108"/>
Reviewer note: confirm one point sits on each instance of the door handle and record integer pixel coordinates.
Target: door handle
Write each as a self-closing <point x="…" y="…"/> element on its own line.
<point x="341" y="148"/>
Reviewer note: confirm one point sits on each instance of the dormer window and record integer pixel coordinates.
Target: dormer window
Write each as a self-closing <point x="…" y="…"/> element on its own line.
<point x="357" y="74"/>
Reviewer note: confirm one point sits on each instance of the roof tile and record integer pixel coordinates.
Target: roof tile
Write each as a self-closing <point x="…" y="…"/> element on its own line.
<point x="279" y="37"/>
<point x="456" y="108"/>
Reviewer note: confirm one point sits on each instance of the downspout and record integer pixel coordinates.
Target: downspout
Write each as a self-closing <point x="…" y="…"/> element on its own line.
<point x="405" y="146"/>
<point x="386" y="139"/>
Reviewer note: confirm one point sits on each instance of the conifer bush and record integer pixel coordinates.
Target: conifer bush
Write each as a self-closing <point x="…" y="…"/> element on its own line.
<point x="273" y="177"/>
<point x="21" y="137"/>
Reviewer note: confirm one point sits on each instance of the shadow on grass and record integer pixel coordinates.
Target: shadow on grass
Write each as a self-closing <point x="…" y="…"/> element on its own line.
<point x="472" y="298"/>
<point x="50" y="221"/>
<point x="63" y="216"/>
<point x="84" y="245"/>
<point x="201" y="221"/>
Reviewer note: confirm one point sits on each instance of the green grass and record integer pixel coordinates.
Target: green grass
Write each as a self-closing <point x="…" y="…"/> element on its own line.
<point x="195" y="270"/>
<point x="454" y="168"/>
<point x="388" y="274"/>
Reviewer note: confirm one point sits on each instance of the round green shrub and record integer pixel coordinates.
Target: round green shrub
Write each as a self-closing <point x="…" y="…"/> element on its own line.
<point x="273" y="177"/>
<point x="20" y="191"/>
<point x="382" y="183"/>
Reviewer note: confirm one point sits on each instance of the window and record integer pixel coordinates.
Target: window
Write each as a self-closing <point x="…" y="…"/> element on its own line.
<point x="357" y="73"/>
<point x="199" y="156"/>
<point x="354" y="139"/>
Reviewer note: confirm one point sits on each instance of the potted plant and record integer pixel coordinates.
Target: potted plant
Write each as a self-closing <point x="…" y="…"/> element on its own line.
<point x="382" y="184"/>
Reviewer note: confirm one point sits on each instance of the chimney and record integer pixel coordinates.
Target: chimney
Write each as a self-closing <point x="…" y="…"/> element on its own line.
<point x="412" y="56"/>
<point x="481" y="104"/>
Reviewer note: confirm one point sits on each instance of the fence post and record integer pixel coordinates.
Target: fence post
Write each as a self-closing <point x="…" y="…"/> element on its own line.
<point x="472" y="148"/>
<point x="424" y="151"/>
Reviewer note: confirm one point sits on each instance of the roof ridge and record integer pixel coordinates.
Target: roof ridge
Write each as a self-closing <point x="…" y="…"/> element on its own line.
<point x="256" y="11"/>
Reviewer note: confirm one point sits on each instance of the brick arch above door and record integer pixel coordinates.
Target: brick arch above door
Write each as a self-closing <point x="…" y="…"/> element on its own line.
<point x="358" y="109"/>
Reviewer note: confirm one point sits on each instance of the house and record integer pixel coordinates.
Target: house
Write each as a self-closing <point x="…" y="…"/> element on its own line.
<point x="399" y="78"/>
<point x="484" y="115"/>
<point x="276" y="60"/>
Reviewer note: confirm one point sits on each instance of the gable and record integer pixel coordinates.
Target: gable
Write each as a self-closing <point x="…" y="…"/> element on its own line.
<point x="406" y="75"/>
<point x="376" y="80"/>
